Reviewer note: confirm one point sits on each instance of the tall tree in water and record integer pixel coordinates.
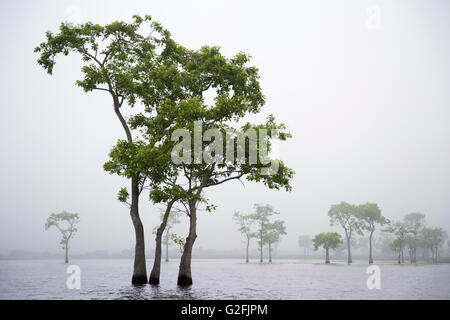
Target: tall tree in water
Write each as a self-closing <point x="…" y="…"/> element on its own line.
<point x="329" y="240"/>
<point x="414" y="222"/>
<point x="345" y="215"/>
<point x="304" y="241"/>
<point x="121" y="61"/>
<point x="203" y="162"/>
<point x="274" y="231"/>
<point x="151" y="162"/>
<point x="245" y="223"/>
<point x="370" y="216"/>
<point x="66" y="223"/>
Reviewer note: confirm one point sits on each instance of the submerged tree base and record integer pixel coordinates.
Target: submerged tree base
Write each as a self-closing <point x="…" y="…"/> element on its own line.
<point x="139" y="279"/>
<point x="153" y="281"/>
<point x="184" y="281"/>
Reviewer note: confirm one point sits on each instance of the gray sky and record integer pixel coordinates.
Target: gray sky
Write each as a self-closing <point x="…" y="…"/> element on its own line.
<point x="369" y="110"/>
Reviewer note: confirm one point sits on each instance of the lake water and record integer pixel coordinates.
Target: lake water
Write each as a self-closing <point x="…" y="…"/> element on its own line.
<point x="224" y="279"/>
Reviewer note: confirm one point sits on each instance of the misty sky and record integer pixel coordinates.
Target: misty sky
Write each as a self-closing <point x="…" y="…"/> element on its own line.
<point x="369" y="110"/>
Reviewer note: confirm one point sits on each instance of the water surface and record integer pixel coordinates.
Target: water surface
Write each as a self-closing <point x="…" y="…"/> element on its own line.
<point x="224" y="279"/>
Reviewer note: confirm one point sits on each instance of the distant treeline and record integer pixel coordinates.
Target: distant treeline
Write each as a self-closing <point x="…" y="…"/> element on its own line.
<point x="407" y="240"/>
<point x="204" y="253"/>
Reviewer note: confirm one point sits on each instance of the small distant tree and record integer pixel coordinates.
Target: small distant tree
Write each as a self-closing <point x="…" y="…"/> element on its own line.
<point x="448" y="248"/>
<point x="66" y="223"/>
<point x="370" y="215"/>
<point x="329" y="240"/>
<point x="414" y="222"/>
<point x="341" y="251"/>
<point x="433" y="238"/>
<point x="383" y="243"/>
<point x="401" y="233"/>
<point x="273" y="234"/>
<point x="412" y="243"/>
<point x="261" y="218"/>
<point x="346" y="215"/>
<point x="362" y="244"/>
<point x="397" y="246"/>
<point x="245" y="223"/>
<point x="304" y="241"/>
<point x="173" y="219"/>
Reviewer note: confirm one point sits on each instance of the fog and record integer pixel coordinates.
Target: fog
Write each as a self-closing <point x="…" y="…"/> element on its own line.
<point x="368" y="108"/>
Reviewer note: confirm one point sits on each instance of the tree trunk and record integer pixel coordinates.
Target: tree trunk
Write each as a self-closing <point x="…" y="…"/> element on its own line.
<point x="403" y="257"/>
<point x="184" y="273"/>
<point x="270" y="252"/>
<point x="370" y="248"/>
<point x="327" y="256"/>
<point x="349" y="250"/>
<point x="167" y="245"/>
<point x="67" y="253"/>
<point x="246" y="255"/>
<point x="261" y="249"/>
<point x="399" y="261"/>
<point x="156" y="270"/>
<point x="140" y="270"/>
